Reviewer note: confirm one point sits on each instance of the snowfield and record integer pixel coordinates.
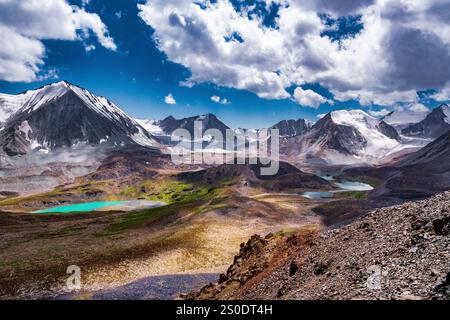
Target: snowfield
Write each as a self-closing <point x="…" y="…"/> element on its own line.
<point x="401" y="119"/>
<point x="446" y="110"/>
<point x="378" y="144"/>
<point x="151" y="126"/>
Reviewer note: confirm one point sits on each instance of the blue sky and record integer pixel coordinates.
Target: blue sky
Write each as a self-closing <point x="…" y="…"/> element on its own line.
<point x="138" y="75"/>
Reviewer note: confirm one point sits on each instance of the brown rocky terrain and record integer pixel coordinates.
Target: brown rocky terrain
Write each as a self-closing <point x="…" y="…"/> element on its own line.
<point x="198" y="232"/>
<point x="288" y="177"/>
<point x="399" y="252"/>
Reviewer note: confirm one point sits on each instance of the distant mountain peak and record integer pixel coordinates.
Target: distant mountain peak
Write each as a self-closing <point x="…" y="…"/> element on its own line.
<point x="292" y="128"/>
<point x="436" y="123"/>
<point x="169" y="118"/>
<point x="209" y="121"/>
<point x="345" y="136"/>
<point x="400" y="119"/>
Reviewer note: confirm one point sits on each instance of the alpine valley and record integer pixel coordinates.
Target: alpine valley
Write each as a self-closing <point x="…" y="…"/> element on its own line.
<point x="83" y="183"/>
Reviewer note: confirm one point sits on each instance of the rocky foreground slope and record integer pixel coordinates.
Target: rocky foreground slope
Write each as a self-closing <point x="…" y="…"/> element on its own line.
<point x="400" y="252"/>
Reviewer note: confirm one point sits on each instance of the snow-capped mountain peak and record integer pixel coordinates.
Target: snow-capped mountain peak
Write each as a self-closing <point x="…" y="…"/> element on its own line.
<point x="30" y="100"/>
<point x="436" y="123"/>
<point x="401" y="119"/>
<point x="34" y="99"/>
<point x="346" y="136"/>
<point x="61" y="115"/>
<point x="348" y="117"/>
<point x="378" y="140"/>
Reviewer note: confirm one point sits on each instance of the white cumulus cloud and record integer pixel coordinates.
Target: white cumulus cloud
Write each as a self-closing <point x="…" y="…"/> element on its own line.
<point x="234" y="48"/>
<point x="25" y="23"/>
<point x="89" y="48"/>
<point x="442" y="95"/>
<point x="220" y="100"/>
<point x="308" y="98"/>
<point x="169" y="99"/>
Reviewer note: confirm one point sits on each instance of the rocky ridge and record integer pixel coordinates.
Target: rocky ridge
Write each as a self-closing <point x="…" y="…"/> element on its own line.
<point x="400" y="252"/>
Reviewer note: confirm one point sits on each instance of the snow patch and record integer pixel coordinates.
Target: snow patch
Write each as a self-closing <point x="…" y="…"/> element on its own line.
<point x="446" y="110"/>
<point x="10" y="104"/>
<point x="27" y="130"/>
<point x="142" y="140"/>
<point x="404" y="118"/>
<point x="378" y="144"/>
<point x="151" y="126"/>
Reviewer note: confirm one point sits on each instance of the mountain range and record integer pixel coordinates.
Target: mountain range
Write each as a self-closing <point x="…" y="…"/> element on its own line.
<point x="64" y="115"/>
<point x="340" y="137"/>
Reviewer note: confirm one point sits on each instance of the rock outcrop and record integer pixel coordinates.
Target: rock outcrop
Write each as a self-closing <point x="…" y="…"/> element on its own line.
<point x="400" y="252"/>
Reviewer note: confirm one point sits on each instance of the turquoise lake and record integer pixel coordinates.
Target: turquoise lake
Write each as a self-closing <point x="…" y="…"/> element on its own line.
<point x="82" y="207"/>
<point x="343" y="186"/>
<point x="317" y="194"/>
